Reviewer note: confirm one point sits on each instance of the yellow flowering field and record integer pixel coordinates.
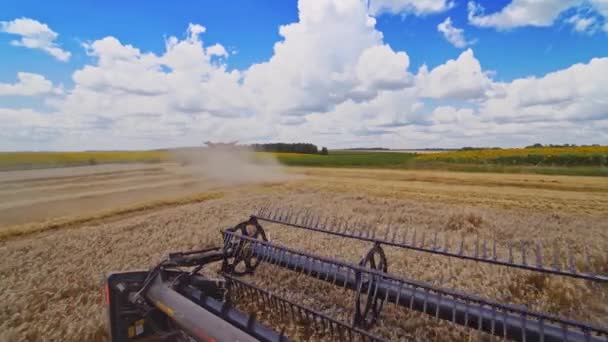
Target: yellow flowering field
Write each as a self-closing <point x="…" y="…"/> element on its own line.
<point x="563" y="156"/>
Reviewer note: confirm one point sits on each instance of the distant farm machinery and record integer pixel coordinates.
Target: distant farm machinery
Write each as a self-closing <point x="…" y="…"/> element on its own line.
<point x="177" y="301"/>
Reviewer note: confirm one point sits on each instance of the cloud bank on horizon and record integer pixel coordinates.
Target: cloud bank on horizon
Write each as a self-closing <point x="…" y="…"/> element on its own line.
<point x="332" y="80"/>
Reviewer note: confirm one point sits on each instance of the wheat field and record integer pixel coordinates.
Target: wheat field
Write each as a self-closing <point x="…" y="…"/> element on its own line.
<point x="51" y="279"/>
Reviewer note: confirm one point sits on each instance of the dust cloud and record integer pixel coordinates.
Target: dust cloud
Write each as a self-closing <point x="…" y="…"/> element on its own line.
<point x="231" y="165"/>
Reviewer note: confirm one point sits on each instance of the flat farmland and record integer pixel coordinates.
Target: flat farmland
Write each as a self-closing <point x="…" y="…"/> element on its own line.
<point x="124" y="217"/>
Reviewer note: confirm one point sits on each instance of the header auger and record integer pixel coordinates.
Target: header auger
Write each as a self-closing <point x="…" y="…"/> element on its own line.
<point x="178" y="301"/>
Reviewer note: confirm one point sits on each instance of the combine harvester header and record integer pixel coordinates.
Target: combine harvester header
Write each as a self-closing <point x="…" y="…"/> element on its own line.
<point x="176" y="301"/>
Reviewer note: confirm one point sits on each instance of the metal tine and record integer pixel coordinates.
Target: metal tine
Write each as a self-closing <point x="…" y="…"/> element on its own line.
<point x="461" y="250"/>
<point x="523" y="327"/>
<point x="328" y="270"/>
<point x="453" y="311"/>
<point x="318" y="219"/>
<point x="334" y="223"/>
<point x="398" y="293"/>
<point x="386" y="233"/>
<point x="318" y="276"/>
<point x="479" y="321"/>
<point x="334" y="274"/>
<point x="257" y="211"/>
<point x="287" y="216"/>
<point x="337" y="224"/>
<point x="466" y="313"/>
<point x="269" y="208"/>
<point x="299" y="217"/>
<point x="571" y="259"/>
<point x="504" y="325"/>
<point x="263" y="212"/>
<point x="484" y="249"/>
<point x="556" y="261"/>
<point x="303" y="217"/>
<point x="325" y="224"/>
<point x="281" y="256"/>
<point x="426" y="299"/>
<point x="494" y="255"/>
<point x="437" y="305"/>
<point x="279" y="214"/>
<point x="345" y="278"/>
<point x="291" y="310"/>
<point x="260" y="211"/>
<point x="357" y="227"/>
<point x="307" y="217"/>
<point x="414" y="237"/>
<point x="311" y="218"/>
<point x="414" y="290"/>
<point x="388" y="290"/>
<point x="364" y="232"/>
<point x="493" y="322"/>
<point x="276" y="215"/>
<point x="268" y="258"/>
<point x="539" y="255"/>
<point x="342" y="225"/>
<point x="589" y="259"/>
<point x="404" y="237"/>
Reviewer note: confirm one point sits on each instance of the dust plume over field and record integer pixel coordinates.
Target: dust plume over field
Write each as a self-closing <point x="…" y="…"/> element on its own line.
<point x="51" y="280"/>
<point x="230" y="165"/>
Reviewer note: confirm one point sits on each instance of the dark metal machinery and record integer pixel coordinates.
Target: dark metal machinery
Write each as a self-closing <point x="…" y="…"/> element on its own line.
<point x="175" y="301"/>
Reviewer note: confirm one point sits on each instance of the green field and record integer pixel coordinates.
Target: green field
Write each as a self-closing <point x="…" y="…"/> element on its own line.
<point x="338" y="158"/>
<point x="581" y="161"/>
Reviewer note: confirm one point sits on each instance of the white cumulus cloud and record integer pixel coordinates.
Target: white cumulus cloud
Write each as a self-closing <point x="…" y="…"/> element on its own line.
<point x="28" y="84"/>
<point x="462" y="78"/>
<point x="541" y="13"/>
<point x="418" y="7"/>
<point x="35" y="35"/>
<point x="452" y="34"/>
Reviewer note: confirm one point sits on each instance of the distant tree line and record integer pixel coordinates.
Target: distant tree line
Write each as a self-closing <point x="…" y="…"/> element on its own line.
<point x="469" y="148"/>
<point x="368" y="149"/>
<point x="289" y="148"/>
<point x="539" y="145"/>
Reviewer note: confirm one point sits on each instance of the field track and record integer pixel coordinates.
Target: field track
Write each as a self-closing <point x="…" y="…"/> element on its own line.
<point x="37" y="195"/>
<point x="51" y="279"/>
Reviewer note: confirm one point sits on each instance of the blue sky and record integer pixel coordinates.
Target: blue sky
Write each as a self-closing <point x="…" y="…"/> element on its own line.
<point x="504" y="47"/>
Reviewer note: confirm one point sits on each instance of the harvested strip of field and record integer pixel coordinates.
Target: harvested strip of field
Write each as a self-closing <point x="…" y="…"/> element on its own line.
<point x="40" y="195"/>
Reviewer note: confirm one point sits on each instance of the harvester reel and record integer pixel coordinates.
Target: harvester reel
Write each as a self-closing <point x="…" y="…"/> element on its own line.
<point x="240" y="259"/>
<point x="367" y="315"/>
